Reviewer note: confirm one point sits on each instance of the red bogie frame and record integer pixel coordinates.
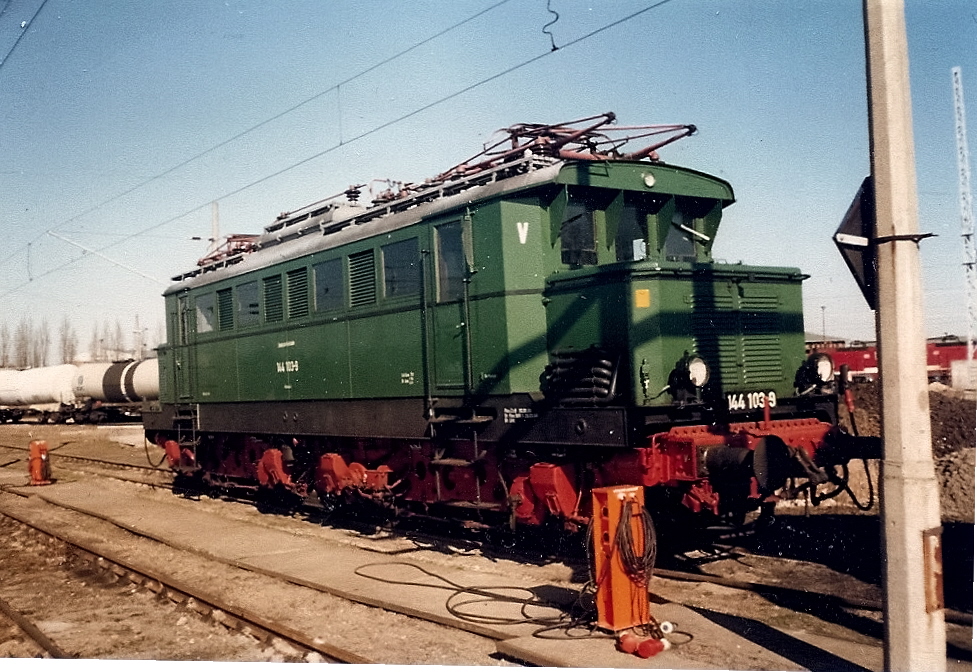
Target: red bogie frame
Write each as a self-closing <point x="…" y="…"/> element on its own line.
<point x="531" y="493"/>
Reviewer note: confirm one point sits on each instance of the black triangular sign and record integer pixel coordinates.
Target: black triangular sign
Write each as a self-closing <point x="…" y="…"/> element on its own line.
<point x="854" y="240"/>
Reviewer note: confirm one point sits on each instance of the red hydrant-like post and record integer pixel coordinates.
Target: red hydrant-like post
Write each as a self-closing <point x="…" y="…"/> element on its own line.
<point x="39" y="466"/>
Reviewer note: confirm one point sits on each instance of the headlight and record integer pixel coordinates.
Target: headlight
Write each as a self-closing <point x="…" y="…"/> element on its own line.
<point x="698" y="371"/>
<point x="817" y="371"/>
<point x="823" y="366"/>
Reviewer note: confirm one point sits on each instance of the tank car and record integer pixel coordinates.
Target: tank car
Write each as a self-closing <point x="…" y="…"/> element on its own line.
<point x="117" y="382"/>
<point x="492" y="343"/>
<point x="44" y="389"/>
<point x="90" y="392"/>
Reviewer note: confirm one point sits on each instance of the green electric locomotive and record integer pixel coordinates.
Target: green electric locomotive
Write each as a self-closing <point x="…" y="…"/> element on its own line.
<point x="540" y="320"/>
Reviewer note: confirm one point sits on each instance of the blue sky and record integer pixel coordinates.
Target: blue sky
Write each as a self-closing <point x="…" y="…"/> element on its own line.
<point x="103" y="104"/>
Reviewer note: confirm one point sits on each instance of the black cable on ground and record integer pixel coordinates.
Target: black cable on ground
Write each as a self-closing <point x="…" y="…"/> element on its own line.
<point x="154" y="465"/>
<point x="579" y="618"/>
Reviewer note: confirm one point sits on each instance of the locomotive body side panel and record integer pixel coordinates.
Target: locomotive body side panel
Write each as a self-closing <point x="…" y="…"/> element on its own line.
<point x="526" y="255"/>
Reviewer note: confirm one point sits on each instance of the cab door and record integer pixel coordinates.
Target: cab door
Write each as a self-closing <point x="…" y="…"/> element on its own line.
<point x="183" y="351"/>
<point x="451" y="356"/>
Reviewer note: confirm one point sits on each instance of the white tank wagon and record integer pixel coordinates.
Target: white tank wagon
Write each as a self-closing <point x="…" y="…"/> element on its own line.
<point x="44" y="385"/>
<point x="95" y="392"/>
<point x="119" y="382"/>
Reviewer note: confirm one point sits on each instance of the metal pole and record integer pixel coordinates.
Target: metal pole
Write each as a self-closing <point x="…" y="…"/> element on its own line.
<point x="915" y="632"/>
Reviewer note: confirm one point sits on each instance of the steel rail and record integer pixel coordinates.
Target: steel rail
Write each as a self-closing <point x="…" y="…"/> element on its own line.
<point x="219" y="610"/>
<point x="32" y="631"/>
<point x="950" y="615"/>
<point x="93" y="460"/>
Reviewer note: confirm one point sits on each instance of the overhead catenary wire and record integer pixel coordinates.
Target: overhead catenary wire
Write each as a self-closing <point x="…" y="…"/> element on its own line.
<point x="255" y="127"/>
<point x="27" y="24"/>
<point x="365" y="134"/>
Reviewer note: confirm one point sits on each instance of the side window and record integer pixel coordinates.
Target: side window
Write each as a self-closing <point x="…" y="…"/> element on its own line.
<point x="451" y="262"/>
<point x="183" y="320"/>
<point x="401" y="269"/>
<point x="632" y="230"/>
<point x="678" y="242"/>
<point x="206" y="313"/>
<point x="247" y="304"/>
<point x="328" y="278"/>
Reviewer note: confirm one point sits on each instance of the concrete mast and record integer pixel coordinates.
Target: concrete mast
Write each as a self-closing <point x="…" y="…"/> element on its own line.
<point x="915" y="632"/>
<point x="966" y="211"/>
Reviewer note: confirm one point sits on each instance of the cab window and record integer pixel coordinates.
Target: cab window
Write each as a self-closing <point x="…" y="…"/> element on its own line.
<point x="632" y="228"/>
<point x="451" y="262"/>
<point x="679" y="245"/>
<point x="578" y="235"/>
<point x="206" y="313"/>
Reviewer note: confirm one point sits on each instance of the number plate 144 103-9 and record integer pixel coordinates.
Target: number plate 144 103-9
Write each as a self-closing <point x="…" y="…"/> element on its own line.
<point x="751" y="400"/>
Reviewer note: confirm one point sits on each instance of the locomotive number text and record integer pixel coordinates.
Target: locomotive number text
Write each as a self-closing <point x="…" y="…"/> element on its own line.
<point x="751" y="400"/>
<point x="288" y="366"/>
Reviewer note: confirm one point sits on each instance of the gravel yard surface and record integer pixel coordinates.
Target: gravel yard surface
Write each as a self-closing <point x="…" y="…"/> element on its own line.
<point x="375" y="634"/>
<point x="834" y="552"/>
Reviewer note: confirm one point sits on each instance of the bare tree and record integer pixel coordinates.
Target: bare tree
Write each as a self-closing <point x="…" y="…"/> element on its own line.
<point x="95" y="345"/>
<point x="40" y="343"/>
<point x="67" y="342"/>
<point x="119" y="341"/>
<point x="4" y="346"/>
<point x="22" y="343"/>
<point x="160" y="333"/>
<point x="107" y="345"/>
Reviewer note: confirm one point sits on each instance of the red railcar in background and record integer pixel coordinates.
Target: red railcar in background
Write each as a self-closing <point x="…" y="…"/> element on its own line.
<point x="863" y="361"/>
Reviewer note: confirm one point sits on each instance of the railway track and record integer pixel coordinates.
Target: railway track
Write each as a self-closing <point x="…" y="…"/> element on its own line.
<point x="471" y="547"/>
<point x="206" y="605"/>
<point x="153" y="576"/>
<point x="473" y="544"/>
<point x="48" y="648"/>
<point x="111" y="464"/>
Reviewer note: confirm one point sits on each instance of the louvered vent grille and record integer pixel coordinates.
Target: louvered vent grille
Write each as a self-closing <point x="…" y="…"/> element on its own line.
<point x="742" y="336"/>
<point x="761" y="326"/>
<point x="225" y="310"/>
<point x="715" y="328"/>
<point x="273" y="298"/>
<point x="298" y="293"/>
<point x="362" y="279"/>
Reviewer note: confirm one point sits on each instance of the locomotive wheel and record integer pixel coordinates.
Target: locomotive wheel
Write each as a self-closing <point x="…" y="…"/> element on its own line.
<point x="277" y="500"/>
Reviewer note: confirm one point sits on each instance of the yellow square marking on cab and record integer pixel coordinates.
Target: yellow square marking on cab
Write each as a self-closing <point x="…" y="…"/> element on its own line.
<point x="642" y="298"/>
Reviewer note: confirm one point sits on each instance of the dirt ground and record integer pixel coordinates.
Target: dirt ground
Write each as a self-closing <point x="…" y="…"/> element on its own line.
<point x="953" y="417"/>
